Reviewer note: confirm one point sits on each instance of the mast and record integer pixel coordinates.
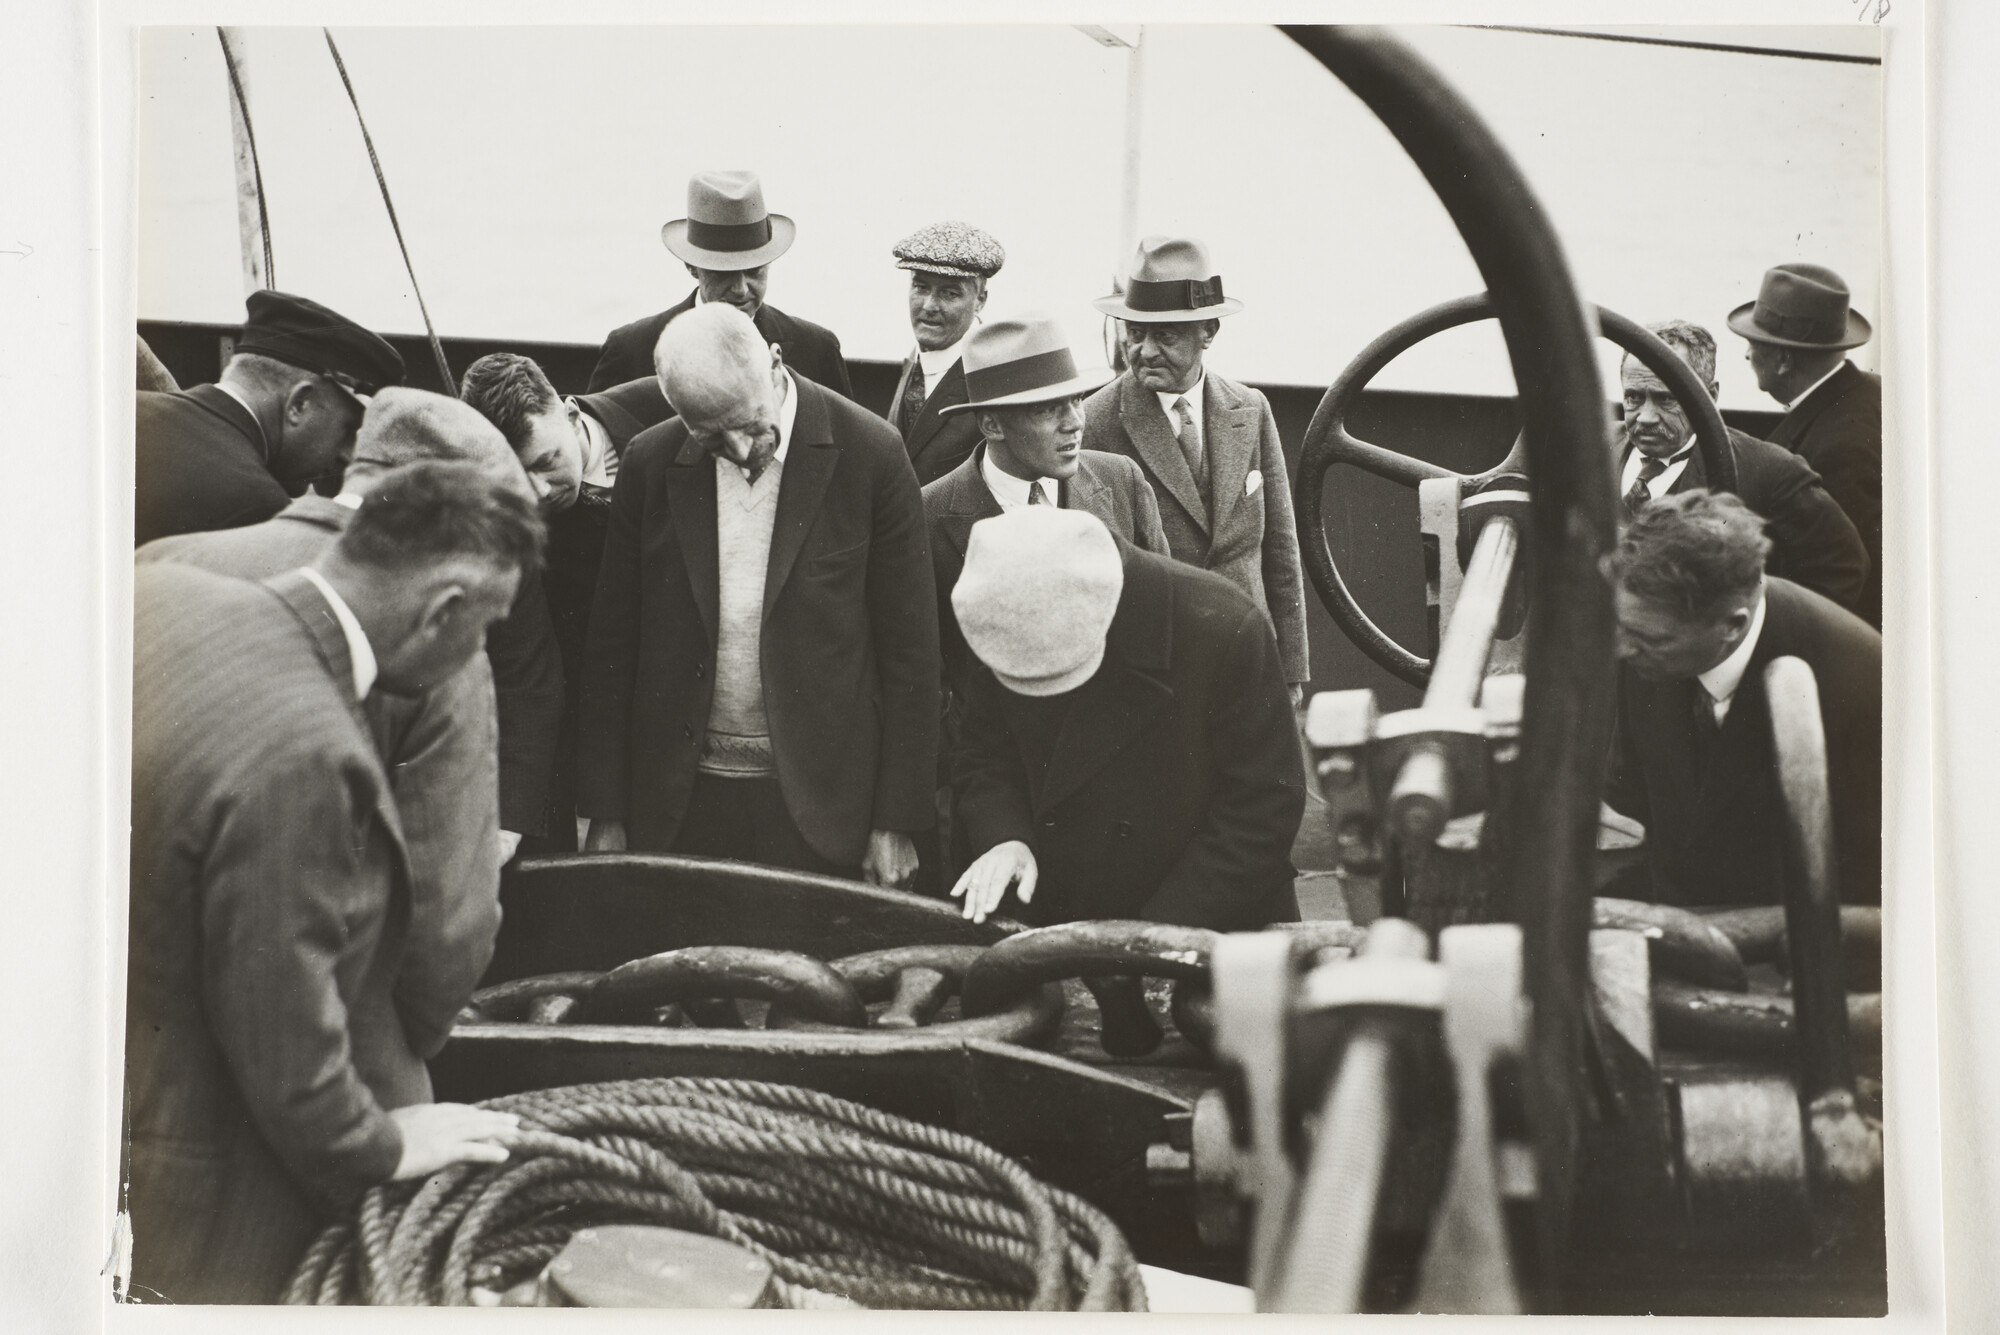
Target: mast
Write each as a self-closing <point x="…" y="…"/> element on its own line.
<point x="251" y="218"/>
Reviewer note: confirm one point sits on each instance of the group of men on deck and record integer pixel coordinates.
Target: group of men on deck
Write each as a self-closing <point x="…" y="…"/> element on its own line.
<point x="1035" y="640"/>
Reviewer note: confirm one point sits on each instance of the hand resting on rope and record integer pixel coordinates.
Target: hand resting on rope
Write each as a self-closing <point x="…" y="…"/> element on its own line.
<point x="437" y="1135"/>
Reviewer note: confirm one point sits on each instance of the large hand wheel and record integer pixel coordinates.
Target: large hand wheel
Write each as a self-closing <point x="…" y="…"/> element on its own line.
<point x="1545" y="861"/>
<point x="1328" y="442"/>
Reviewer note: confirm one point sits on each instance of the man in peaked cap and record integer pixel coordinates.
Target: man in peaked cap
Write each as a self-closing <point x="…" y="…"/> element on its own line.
<point x="728" y="242"/>
<point x="1128" y="749"/>
<point x="1799" y="329"/>
<point x="282" y="417"/>
<point x="1208" y="445"/>
<point x="949" y="264"/>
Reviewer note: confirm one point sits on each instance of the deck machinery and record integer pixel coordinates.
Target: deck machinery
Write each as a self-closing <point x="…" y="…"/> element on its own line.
<point x="1491" y="1091"/>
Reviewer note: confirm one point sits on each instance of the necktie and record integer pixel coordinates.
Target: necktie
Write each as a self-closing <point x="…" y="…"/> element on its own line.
<point x="1035" y="496"/>
<point x="1706" y="729"/>
<point x="1641" y="493"/>
<point x="913" y="398"/>
<point x="1191" y="444"/>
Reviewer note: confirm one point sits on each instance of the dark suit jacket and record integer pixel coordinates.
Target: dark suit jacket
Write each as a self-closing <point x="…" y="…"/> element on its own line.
<point x="1106" y="485"/>
<point x="936" y="444"/>
<point x="268" y="914"/>
<point x="810" y="350"/>
<point x="1719" y="839"/>
<point x="1838" y="430"/>
<point x="199" y="457"/>
<point x="1251" y="538"/>
<point x="849" y="644"/>
<point x="439" y="750"/>
<point x="1812" y="542"/>
<point x="569" y="574"/>
<point x="1175" y="788"/>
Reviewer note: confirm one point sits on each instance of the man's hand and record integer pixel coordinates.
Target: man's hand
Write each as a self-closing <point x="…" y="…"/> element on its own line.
<point x="606" y="836"/>
<point x="985" y="882"/>
<point x="891" y="859"/>
<point x="437" y="1135"/>
<point x="1297" y="691"/>
<point x="509" y="841"/>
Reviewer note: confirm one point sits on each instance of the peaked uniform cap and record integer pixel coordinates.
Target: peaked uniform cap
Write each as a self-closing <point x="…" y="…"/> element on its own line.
<point x="1801" y="306"/>
<point x="1171" y="279"/>
<point x="1036" y="597"/>
<point x="727" y="226"/>
<point x="305" y="334"/>
<point x="1022" y="360"/>
<point x="955" y="249"/>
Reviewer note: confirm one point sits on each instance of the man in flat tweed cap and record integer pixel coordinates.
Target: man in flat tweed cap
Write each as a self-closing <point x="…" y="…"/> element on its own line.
<point x="282" y="417"/>
<point x="728" y="242"/>
<point x="1208" y="445"/>
<point x="1128" y="749"/>
<point x="949" y="265"/>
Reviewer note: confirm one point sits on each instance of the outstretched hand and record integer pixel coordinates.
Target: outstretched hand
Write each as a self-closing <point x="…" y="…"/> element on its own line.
<point x="986" y="881"/>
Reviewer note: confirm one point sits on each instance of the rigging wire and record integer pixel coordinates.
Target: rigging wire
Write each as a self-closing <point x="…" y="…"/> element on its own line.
<point x="437" y="348"/>
<point x="256" y="168"/>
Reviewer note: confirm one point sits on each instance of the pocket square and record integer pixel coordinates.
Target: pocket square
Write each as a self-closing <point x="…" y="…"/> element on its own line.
<point x="1253" y="480"/>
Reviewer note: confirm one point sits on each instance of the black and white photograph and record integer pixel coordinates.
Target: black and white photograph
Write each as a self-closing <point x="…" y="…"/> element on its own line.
<point x="1022" y="666"/>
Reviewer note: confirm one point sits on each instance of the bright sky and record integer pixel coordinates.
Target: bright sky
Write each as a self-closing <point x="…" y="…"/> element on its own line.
<point x="532" y="169"/>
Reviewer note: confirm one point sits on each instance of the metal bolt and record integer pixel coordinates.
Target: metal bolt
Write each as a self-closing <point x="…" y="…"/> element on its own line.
<point x="562" y="1267"/>
<point x="586" y="1235"/>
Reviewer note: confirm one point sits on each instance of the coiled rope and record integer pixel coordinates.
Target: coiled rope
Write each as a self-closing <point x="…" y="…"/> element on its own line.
<point x="844" y="1202"/>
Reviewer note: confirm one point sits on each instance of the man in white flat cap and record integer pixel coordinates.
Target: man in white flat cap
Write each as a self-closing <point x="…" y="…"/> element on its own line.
<point x="1128" y="749"/>
<point x="1208" y="445"/>
<point x="728" y="242"/>
<point x="949" y="264"/>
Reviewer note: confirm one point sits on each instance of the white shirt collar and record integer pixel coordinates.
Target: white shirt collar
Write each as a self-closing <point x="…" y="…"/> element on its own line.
<point x="935" y="364"/>
<point x="350" y="499"/>
<point x="359" y="653"/>
<point x="1011" y="491"/>
<point x="1722" y="680"/>
<point x="1815" y="385"/>
<point x="1192" y="394"/>
<point x="1677" y="463"/>
<point x="596" y="447"/>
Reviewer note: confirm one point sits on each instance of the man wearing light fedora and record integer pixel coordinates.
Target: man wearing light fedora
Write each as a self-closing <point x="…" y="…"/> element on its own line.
<point x="728" y="242"/>
<point x="1799" y="329"/>
<point x="1128" y="749"/>
<point x="1209" y="446"/>
<point x="949" y="264"/>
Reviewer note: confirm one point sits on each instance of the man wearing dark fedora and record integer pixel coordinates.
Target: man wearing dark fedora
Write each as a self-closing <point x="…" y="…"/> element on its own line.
<point x="1023" y="397"/>
<point x="1799" y="329"/>
<point x="728" y="242"/>
<point x="1128" y="750"/>
<point x="283" y="416"/>
<point x="1208" y="446"/>
<point x="949" y="264"/>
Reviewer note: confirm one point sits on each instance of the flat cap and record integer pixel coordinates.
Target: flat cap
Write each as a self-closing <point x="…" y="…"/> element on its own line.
<point x="956" y="249"/>
<point x="1037" y="595"/>
<point x="305" y="334"/>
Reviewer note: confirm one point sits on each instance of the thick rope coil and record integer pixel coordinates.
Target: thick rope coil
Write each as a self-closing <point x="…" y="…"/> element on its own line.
<point x="847" y="1204"/>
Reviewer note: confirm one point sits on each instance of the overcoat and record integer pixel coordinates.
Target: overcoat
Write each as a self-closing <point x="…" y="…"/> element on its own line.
<point x="937" y="444"/>
<point x="1813" y="544"/>
<point x="199" y="459"/>
<point x="811" y="350"/>
<point x="268" y="914"/>
<point x="1251" y="538"/>
<point x="1715" y="832"/>
<point x="1838" y="430"/>
<point x="848" y="651"/>
<point x="440" y="751"/>
<point x="1175" y="787"/>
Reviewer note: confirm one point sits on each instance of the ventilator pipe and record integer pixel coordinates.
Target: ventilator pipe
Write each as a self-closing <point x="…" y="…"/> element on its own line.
<point x="1333" y="1219"/>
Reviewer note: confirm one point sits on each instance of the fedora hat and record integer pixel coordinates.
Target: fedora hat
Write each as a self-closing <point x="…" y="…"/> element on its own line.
<point x="1801" y="306"/>
<point x="727" y="226"/>
<point x="1019" y="361"/>
<point x="1171" y="279"/>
